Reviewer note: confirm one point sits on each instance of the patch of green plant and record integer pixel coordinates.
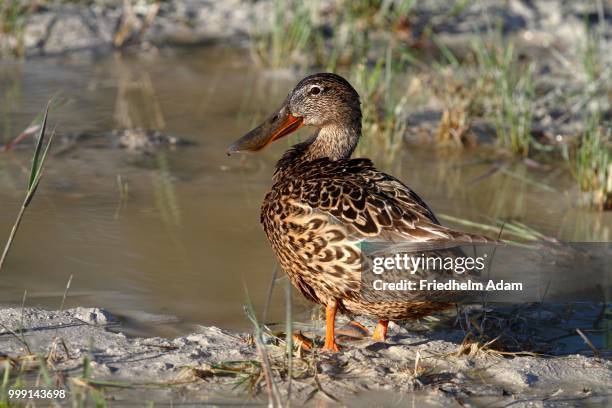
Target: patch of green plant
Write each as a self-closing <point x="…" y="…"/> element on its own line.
<point x="301" y="35"/>
<point x="13" y="18"/>
<point x="591" y="162"/>
<point x="383" y="110"/>
<point x="36" y="172"/>
<point x="291" y="37"/>
<point x="354" y="21"/>
<point x="592" y="58"/>
<point x="378" y="13"/>
<point x="512" y="98"/>
<point x="349" y="42"/>
<point x="491" y="83"/>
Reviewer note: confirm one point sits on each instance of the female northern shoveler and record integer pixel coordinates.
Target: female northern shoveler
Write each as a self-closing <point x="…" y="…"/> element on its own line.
<point x="323" y="204"/>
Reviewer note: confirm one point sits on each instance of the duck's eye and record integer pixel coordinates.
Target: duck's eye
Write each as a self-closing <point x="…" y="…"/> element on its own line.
<point x="315" y="90"/>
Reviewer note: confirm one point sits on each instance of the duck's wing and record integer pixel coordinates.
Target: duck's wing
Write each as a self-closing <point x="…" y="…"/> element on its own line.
<point x="327" y="211"/>
<point x="371" y="205"/>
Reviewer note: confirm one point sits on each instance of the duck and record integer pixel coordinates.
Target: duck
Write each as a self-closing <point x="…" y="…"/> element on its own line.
<point x="324" y="205"/>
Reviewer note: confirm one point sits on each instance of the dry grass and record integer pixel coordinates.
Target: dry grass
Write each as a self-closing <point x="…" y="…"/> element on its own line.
<point x="459" y="101"/>
<point x="497" y="334"/>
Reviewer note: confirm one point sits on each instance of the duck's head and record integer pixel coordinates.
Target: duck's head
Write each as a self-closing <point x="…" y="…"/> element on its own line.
<point x="325" y="101"/>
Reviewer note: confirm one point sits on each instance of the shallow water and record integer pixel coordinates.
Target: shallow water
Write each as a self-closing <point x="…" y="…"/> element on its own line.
<point x="185" y="239"/>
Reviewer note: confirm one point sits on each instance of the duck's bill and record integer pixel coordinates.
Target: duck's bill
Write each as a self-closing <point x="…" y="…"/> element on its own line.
<point x="276" y="126"/>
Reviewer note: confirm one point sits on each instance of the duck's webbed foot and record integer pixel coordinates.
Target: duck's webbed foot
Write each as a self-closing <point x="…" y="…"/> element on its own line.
<point x="353" y="330"/>
<point x="380" y="333"/>
<point x="302" y="341"/>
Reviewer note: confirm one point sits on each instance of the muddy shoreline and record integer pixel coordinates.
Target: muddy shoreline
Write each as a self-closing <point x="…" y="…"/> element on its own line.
<point x="207" y="365"/>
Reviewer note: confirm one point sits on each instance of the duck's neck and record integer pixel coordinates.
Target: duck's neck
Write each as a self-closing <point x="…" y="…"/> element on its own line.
<point x="333" y="141"/>
<point x="336" y="142"/>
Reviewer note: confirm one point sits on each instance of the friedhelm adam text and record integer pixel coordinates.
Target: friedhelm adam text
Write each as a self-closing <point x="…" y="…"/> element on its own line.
<point x="449" y="285"/>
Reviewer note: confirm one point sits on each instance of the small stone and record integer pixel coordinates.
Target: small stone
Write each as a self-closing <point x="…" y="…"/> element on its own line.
<point x="94" y="316"/>
<point x="327" y="368"/>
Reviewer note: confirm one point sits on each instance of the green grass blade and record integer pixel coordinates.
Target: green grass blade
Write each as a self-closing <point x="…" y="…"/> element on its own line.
<point x="38" y="162"/>
<point x="34" y="186"/>
<point x="36" y="165"/>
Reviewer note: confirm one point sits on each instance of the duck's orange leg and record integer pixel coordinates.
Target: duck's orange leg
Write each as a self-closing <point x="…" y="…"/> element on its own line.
<point x="330" y="321"/>
<point x="380" y="333"/>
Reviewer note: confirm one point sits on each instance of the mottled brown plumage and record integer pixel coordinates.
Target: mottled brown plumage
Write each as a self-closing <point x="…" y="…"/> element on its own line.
<point x="323" y="205"/>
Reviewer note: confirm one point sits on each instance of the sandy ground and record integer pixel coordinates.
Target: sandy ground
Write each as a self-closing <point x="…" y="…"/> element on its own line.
<point x="216" y="366"/>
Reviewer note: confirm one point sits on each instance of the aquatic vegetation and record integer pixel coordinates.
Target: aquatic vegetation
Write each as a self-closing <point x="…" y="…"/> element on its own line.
<point x="354" y="25"/>
<point x="460" y="108"/>
<point x="383" y="111"/>
<point x="13" y="15"/>
<point x="36" y="171"/>
<point x="303" y="35"/>
<point x="584" y="82"/>
<point x="514" y="112"/>
<point x="590" y="163"/>
<point x="380" y="11"/>
<point x="592" y="54"/>
<point x="512" y="99"/>
<point x="291" y="37"/>
<point x="491" y="83"/>
<point x="589" y="157"/>
<point x="499" y="86"/>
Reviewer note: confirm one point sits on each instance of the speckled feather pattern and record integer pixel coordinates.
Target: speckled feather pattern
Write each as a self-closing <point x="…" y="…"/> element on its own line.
<point x="317" y="214"/>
